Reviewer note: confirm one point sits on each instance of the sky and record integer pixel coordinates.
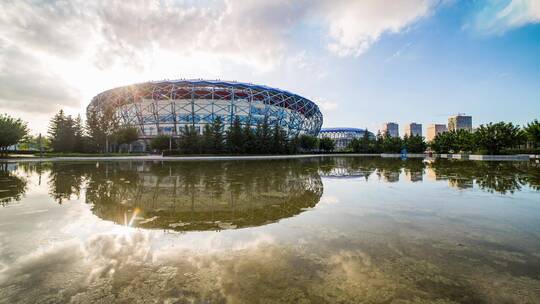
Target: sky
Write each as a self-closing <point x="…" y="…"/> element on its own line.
<point x="363" y="62"/>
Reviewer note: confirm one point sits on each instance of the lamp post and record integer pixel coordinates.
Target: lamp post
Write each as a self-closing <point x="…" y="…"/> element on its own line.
<point x="40" y="146"/>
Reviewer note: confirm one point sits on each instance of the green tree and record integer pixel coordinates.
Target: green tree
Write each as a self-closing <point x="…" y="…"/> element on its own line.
<point x="12" y="131"/>
<point x="444" y="142"/>
<point x="279" y="140"/>
<point x="263" y="137"/>
<point x="235" y="137"/>
<point x="464" y="141"/>
<point x="80" y="139"/>
<point x="62" y="133"/>
<point x="217" y="135"/>
<point x="293" y="144"/>
<point x="32" y="143"/>
<point x="207" y="140"/>
<point x="391" y="144"/>
<point x="414" y="144"/>
<point x="308" y="142"/>
<point x="249" y="146"/>
<point x="326" y="144"/>
<point x="161" y="142"/>
<point x="364" y="144"/>
<point x="126" y="135"/>
<point x="495" y="137"/>
<point x="532" y="131"/>
<point x="100" y="125"/>
<point x="354" y="145"/>
<point x="190" y="140"/>
<point x="378" y="144"/>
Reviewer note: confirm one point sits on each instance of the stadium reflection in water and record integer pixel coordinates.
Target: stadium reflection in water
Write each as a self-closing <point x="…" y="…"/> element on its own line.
<point x="191" y="196"/>
<point x="320" y="230"/>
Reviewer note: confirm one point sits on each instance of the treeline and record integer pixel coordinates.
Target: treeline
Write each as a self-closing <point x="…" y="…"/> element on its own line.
<point x="12" y="131"/>
<point x="100" y="134"/>
<point x="238" y="139"/>
<point x="384" y="143"/>
<point x="103" y="133"/>
<point x="492" y="138"/>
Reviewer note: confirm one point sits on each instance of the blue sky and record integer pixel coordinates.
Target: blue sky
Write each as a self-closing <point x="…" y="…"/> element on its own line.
<point x="363" y="62"/>
<point x="439" y="67"/>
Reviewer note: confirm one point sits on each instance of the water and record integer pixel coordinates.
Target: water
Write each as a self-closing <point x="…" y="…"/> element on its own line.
<point x="336" y="230"/>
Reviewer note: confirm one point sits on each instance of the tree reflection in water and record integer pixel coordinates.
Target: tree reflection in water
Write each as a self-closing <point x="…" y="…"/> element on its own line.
<point x="12" y="187"/>
<point x="499" y="177"/>
<point x="219" y="195"/>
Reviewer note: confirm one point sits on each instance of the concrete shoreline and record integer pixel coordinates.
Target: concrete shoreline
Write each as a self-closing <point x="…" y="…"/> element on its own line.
<point x="178" y="158"/>
<point x="268" y="157"/>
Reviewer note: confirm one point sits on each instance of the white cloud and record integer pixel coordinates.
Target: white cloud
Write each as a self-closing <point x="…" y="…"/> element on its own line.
<point x="498" y="17"/>
<point x="61" y="53"/>
<point x="354" y="26"/>
<point x="520" y="12"/>
<point x="309" y="64"/>
<point x="326" y="105"/>
<point x="28" y="85"/>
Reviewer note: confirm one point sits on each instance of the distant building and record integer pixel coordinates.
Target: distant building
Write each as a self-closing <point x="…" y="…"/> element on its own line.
<point x="392" y="128"/>
<point x="460" y="122"/>
<point x="433" y="130"/>
<point x="342" y="137"/>
<point x="413" y="129"/>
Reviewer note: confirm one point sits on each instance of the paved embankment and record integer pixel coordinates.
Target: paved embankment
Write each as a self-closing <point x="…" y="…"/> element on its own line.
<point x="177" y="158"/>
<point x="269" y="157"/>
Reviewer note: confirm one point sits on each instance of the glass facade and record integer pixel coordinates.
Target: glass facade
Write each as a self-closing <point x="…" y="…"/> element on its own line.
<point x="167" y="107"/>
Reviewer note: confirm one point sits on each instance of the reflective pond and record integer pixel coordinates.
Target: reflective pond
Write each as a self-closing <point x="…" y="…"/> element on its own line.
<point x="321" y="230"/>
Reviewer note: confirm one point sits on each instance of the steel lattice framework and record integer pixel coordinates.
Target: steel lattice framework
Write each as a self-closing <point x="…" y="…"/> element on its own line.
<point x="165" y="107"/>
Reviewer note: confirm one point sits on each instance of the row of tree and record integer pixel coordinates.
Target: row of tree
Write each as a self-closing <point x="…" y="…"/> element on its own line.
<point x="100" y="134"/>
<point x="493" y="138"/>
<point x="384" y="143"/>
<point x="238" y="139"/>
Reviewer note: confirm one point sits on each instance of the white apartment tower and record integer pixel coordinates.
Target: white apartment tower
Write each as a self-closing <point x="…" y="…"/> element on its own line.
<point x="433" y="130"/>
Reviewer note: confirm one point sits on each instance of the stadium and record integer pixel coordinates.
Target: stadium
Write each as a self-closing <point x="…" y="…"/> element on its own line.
<point x="165" y="107"/>
<point x="342" y="137"/>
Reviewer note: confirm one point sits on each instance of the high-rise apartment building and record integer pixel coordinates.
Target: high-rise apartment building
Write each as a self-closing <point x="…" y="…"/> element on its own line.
<point x="413" y="129"/>
<point x="392" y="128"/>
<point x="460" y="122"/>
<point x="433" y="130"/>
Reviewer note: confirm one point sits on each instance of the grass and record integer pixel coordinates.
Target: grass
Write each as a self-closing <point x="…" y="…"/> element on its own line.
<point x="58" y="154"/>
